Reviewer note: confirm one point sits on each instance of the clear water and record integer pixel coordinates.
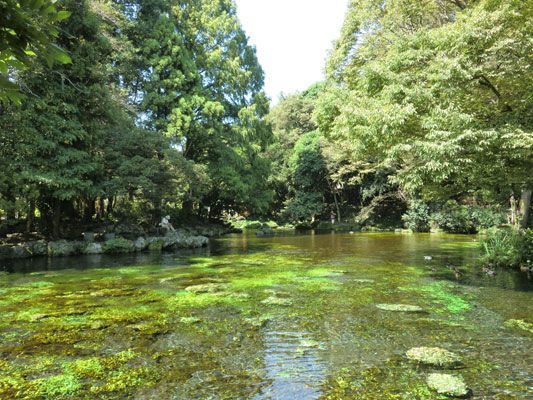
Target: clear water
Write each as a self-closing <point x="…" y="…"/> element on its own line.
<point x="285" y="317"/>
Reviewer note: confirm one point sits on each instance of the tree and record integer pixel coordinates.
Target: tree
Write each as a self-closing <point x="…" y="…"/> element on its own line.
<point x="439" y="91"/>
<point x="197" y="81"/>
<point x="27" y="28"/>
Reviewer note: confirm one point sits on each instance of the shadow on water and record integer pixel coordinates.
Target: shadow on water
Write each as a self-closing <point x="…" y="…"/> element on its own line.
<point x="293" y="316"/>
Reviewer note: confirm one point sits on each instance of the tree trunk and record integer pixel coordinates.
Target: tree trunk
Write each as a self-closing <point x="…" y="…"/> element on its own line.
<point x="109" y="205"/>
<point x="56" y="219"/>
<point x="337" y="206"/>
<point x="101" y="207"/>
<point x="31" y="216"/>
<point x="89" y="209"/>
<point x="525" y="205"/>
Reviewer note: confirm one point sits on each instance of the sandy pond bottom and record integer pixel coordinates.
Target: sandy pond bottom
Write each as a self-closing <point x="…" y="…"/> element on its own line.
<point x="288" y="317"/>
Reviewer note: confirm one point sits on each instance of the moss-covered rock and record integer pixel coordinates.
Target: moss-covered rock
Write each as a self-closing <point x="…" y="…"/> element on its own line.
<point x="155" y="244"/>
<point x="448" y="385"/>
<point x="118" y="245"/>
<point x="433" y="356"/>
<point x="64" y="248"/>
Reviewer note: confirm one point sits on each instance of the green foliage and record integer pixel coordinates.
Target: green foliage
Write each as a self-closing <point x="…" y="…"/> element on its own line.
<point x="455" y="218"/>
<point x="508" y="248"/>
<point x="304" y="205"/>
<point x="27" y="29"/>
<point x="437" y="90"/>
<point x="417" y="216"/>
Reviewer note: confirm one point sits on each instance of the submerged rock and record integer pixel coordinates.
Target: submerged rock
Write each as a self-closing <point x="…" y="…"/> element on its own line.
<point x="206" y="288"/>
<point x="257" y="322"/>
<point x="189" y="320"/>
<point x="399" y="307"/>
<point x="276" y="301"/>
<point x="362" y="280"/>
<point x="433" y="356"/>
<point x="448" y="385"/>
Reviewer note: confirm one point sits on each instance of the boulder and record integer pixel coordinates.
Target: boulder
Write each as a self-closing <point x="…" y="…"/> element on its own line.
<point x="20" y="252"/>
<point x="140" y="244"/>
<point x="448" y="385"/>
<point x="63" y="248"/>
<point x="93" y="248"/>
<point x="38" y="248"/>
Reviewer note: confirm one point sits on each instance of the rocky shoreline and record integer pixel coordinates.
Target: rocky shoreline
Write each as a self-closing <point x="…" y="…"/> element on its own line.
<point x="112" y="243"/>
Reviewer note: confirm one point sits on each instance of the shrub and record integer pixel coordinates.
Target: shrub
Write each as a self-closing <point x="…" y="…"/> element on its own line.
<point x="454" y="218"/>
<point x="417" y="216"/>
<point x="485" y="218"/>
<point x="509" y="248"/>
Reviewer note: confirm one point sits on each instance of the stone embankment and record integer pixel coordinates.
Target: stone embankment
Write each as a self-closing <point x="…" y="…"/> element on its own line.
<point x="111" y="243"/>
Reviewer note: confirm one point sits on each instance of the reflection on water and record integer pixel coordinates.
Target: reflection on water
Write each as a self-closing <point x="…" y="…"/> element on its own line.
<point x="287" y="317"/>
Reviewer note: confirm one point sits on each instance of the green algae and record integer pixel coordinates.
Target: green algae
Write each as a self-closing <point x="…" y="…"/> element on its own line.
<point x="440" y="293"/>
<point x="117" y="334"/>
<point x="519" y="323"/>
<point x="461" y="245"/>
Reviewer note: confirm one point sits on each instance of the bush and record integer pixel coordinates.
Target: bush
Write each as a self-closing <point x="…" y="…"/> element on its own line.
<point x="485" y="218"/>
<point x="509" y="248"/>
<point x="417" y="216"/>
<point x="454" y="218"/>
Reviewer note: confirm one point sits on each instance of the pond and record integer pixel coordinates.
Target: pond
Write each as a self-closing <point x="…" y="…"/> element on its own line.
<point x="307" y="316"/>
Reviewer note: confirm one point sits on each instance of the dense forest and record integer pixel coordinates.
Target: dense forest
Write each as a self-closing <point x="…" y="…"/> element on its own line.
<point x="130" y="110"/>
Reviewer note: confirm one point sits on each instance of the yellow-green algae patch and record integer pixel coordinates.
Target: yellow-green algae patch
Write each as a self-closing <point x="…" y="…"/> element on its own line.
<point x="440" y="293"/>
<point x="519" y="323"/>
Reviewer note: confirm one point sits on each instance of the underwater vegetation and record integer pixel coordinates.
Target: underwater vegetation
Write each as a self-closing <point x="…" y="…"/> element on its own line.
<point x="284" y="320"/>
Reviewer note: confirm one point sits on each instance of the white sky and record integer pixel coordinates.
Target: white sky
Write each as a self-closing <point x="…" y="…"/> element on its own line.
<point x="292" y="38"/>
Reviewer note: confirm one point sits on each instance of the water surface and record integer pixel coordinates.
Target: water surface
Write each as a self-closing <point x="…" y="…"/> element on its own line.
<point x="286" y="317"/>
